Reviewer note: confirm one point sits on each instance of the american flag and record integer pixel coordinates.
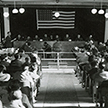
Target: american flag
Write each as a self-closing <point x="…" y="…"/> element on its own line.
<point x="47" y="20"/>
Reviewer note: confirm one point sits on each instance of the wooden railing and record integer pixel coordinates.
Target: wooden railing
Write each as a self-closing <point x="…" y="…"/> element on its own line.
<point x="57" y="59"/>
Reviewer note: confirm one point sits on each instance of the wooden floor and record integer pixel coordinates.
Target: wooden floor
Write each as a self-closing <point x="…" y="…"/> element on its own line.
<point x="62" y="90"/>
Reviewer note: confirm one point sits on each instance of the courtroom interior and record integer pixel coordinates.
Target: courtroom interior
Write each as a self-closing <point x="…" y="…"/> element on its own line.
<point x="53" y="53"/>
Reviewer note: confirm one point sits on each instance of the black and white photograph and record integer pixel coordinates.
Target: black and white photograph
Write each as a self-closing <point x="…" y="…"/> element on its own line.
<point x="53" y="53"/>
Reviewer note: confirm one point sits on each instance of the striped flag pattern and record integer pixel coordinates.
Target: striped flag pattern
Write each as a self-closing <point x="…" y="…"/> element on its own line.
<point x="47" y="20"/>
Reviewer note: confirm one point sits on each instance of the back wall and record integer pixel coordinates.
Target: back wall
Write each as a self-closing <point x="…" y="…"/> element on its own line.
<point x="85" y="24"/>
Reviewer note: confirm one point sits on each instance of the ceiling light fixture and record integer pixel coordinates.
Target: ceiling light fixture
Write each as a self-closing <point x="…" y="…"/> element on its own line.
<point x="94" y="10"/>
<point x="6" y="14"/>
<point x="15" y="10"/>
<point x="21" y="10"/>
<point x="106" y="15"/>
<point x="101" y="11"/>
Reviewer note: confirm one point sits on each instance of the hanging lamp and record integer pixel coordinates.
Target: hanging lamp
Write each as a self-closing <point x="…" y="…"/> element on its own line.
<point x="94" y="10"/>
<point x="106" y="15"/>
<point x="14" y="11"/>
<point x="101" y="11"/>
<point x="21" y="10"/>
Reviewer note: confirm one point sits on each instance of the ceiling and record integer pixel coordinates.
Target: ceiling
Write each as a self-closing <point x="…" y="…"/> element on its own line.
<point x="54" y="3"/>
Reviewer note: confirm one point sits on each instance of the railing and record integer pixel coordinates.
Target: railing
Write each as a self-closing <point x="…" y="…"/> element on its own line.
<point x="57" y="59"/>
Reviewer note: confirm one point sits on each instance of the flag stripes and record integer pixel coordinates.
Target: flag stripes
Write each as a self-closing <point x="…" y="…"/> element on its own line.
<point x="46" y="19"/>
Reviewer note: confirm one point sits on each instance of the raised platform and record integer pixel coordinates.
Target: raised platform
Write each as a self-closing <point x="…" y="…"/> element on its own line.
<point x="66" y="45"/>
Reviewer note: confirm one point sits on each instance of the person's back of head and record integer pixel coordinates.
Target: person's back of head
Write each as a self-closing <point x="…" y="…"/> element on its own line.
<point x="45" y="43"/>
<point x="16" y="56"/>
<point x="14" y="85"/>
<point x="26" y="59"/>
<point x="94" y="63"/>
<point x="101" y="65"/>
<point x="8" y="33"/>
<point x="33" y="59"/>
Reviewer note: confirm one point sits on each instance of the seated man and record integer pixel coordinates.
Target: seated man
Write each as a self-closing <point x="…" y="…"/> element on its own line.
<point x="27" y="47"/>
<point x="67" y="38"/>
<point x="101" y="75"/>
<point x="3" y="60"/>
<point x="8" y="41"/>
<point x="47" y="48"/>
<point x="4" y="77"/>
<point x="94" y="68"/>
<point x="15" y="98"/>
<point x="15" y="65"/>
<point x="57" y="47"/>
<point x="79" y="38"/>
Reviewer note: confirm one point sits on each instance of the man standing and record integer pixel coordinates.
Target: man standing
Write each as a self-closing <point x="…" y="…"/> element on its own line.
<point x="8" y="42"/>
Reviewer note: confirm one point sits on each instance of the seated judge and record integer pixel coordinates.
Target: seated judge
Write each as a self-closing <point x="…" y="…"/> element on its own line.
<point x="57" y="38"/>
<point x="36" y="38"/>
<point x="28" y="38"/>
<point x="79" y="38"/>
<point x="51" y="38"/>
<point x="67" y="38"/>
<point x="90" y="38"/>
<point x="45" y="38"/>
<point x="19" y="37"/>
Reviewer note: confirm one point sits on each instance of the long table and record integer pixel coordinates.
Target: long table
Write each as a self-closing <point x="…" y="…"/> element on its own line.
<point x="66" y="45"/>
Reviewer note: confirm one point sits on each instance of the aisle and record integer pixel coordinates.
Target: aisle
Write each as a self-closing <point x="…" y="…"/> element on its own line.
<point x="62" y="90"/>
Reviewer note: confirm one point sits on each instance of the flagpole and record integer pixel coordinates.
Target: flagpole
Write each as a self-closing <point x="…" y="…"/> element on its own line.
<point x="37" y="18"/>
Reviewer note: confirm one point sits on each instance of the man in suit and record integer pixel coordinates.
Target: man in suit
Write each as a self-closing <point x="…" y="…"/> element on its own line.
<point x="8" y="42"/>
<point x="47" y="48"/>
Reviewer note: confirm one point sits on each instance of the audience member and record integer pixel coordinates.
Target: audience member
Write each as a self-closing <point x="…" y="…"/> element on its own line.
<point x="15" y="65"/>
<point x="3" y="60"/>
<point x="94" y="68"/>
<point x="4" y="77"/>
<point x="27" y="62"/>
<point x="15" y="96"/>
<point x="106" y="43"/>
<point x="101" y="47"/>
<point x="1" y="104"/>
<point x="27" y="82"/>
<point x="101" y="75"/>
